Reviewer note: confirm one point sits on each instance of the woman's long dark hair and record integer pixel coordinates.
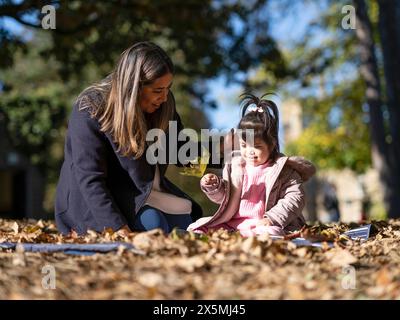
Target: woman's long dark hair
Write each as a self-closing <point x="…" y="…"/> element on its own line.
<point x="118" y="111"/>
<point x="262" y="122"/>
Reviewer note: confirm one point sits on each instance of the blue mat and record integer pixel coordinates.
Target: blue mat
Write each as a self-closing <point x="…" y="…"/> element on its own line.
<point x="86" y="249"/>
<point x="71" y="248"/>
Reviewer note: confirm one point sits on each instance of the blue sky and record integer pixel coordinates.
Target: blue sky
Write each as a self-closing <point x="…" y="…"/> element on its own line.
<point x="16" y="27"/>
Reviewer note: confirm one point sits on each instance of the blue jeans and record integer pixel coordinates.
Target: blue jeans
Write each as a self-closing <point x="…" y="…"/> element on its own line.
<point x="149" y="218"/>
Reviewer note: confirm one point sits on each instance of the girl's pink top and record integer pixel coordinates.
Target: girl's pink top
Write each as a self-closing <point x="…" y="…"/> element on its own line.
<point x="252" y="202"/>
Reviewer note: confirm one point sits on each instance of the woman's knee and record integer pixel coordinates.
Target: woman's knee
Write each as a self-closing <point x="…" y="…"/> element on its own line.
<point x="150" y="218"/>
<point x="180" y="221"/>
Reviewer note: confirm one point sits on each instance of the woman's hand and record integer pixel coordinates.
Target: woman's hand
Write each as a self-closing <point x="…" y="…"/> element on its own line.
<point x="209" y="180"/>
<point x="124" y="231"/>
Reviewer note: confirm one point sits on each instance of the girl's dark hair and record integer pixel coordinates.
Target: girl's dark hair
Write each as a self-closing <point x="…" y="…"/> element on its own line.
<point x="263" y="121"/>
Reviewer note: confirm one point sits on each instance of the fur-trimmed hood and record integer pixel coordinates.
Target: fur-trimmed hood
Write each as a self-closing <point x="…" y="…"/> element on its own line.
<point x="303" y="166"/>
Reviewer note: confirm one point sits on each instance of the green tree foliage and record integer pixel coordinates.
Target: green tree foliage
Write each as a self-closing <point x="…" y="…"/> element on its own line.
<point x="342" y="143"/>
<point x="33" y="120"/>
<point x="204" y="38"/>
<point x="337" y="135"/>
<point x="35" y="104"/>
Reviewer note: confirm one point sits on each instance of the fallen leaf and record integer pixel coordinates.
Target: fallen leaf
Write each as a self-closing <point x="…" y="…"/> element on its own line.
<point x="15" y="227"/>
<point x="150" y="279"/>
<point x="383" y="278"/>
<point x="340" y="257"/>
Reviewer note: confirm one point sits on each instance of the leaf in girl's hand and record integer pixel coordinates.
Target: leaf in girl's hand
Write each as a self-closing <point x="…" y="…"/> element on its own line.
<point x="198" y="166"/>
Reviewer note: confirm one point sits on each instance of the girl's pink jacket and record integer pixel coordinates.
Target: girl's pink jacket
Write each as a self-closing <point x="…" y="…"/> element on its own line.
<point x="284" y="193"/>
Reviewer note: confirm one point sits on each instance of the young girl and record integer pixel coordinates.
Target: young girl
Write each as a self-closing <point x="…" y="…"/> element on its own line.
<point x="261" y="189"/>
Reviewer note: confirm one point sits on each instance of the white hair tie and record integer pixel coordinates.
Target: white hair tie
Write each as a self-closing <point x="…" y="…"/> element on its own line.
<point x="255" y="108"/>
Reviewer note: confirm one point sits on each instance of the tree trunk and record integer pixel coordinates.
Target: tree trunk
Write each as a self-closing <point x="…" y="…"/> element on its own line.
<point x="389" y="30"/>
<point x="389" y="33"/>
<point x="369" y="71"/>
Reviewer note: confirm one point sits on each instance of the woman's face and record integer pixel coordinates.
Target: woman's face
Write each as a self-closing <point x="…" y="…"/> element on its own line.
<point x="156" y="93"/>
<point x="254" y="155"/>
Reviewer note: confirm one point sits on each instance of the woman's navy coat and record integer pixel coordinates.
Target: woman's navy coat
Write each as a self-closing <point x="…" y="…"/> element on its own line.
<point x="98" y="188"/>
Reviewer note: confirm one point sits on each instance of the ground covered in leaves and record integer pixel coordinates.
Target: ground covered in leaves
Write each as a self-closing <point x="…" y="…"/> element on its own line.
<point x="213" y="266"/>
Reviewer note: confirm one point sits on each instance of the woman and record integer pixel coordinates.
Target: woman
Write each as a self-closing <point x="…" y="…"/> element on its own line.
<point x="105" y="180"/>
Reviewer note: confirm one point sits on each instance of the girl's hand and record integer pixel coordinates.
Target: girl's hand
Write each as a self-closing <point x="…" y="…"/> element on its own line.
<point x="209" y="180"/>
<point x="264" y="222"/>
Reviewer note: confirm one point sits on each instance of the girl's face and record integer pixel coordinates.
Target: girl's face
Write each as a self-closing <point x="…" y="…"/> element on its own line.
<point x="156" y="93"/>
<point x="254" y="155"/>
